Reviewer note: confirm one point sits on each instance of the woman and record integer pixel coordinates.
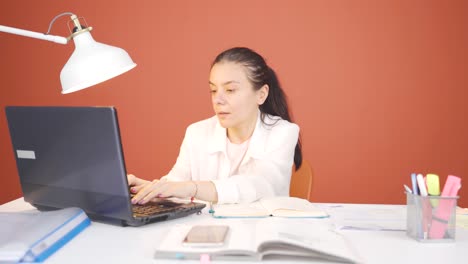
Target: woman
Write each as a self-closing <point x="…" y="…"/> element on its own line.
<point x="243" y="153"/>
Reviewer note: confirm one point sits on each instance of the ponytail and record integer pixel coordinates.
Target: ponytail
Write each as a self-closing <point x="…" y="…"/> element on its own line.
<point x="276" y="104"/>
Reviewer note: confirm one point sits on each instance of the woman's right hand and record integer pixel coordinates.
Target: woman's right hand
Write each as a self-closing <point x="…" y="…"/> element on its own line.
<point x="135" y="183"/>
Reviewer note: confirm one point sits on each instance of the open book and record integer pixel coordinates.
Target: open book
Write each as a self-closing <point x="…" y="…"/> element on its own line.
<point x="282" y="206"/>
<point x="265" y="238"/>
<point x="32" y="236"/>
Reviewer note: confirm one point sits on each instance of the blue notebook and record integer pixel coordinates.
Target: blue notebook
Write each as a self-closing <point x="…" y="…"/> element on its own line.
<point x="33" y="236"/>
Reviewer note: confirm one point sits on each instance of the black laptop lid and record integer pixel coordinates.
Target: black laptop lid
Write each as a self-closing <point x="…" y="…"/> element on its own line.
<point x="70" y="156"/>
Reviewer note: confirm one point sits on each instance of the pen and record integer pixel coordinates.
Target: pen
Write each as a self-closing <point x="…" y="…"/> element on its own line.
<point x="414" y="184"/>
<point x="426" y="206"/>
<point x="407" y="189"/>
<point x="417" y="203"/>
<point x="421" y="185"/>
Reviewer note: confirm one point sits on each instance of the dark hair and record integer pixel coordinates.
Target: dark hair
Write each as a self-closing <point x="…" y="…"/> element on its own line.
<point x="259" y="74"/>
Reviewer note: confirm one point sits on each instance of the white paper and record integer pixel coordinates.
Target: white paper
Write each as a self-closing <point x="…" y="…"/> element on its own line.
<point x="369" y="217"/>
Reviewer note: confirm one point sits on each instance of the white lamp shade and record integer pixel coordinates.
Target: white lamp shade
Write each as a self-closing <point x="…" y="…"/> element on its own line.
<point x="92" y="63"/>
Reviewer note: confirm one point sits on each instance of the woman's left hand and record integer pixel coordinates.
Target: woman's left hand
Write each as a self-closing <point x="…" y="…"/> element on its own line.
<point x="164" y="189"/>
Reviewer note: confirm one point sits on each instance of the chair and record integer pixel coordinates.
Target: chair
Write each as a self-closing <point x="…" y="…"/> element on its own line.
<point x="301" y="181"/>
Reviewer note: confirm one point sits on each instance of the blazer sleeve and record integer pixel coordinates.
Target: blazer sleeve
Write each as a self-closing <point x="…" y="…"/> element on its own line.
<point x="181" y="170"/>
<point x="267" y="173"/>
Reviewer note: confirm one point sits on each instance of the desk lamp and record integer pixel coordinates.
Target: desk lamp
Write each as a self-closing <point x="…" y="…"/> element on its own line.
<point x="90" y="63"/>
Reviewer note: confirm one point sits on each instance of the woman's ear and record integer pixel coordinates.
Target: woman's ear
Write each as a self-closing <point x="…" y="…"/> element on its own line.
<point x="262" y="94"/>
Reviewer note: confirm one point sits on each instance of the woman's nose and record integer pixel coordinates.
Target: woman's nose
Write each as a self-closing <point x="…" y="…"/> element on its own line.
<point x="218" y="98"/>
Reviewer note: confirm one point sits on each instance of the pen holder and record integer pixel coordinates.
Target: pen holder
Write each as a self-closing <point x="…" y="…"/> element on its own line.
<point x="431" y="218"/>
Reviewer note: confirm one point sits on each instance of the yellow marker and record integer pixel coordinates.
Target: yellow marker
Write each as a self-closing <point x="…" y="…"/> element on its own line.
<point x="432" y="183"/>
<point x="433" y="187"/>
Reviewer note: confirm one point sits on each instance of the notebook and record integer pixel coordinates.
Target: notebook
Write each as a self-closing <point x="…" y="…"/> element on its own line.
<point x="72" y="157"/>
<point x="279" y="206"/>
<point x="287" y="240"/>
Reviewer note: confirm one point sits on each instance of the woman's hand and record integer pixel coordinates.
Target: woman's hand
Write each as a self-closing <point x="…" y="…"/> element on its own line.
<point x="136" y="183"/>
<point x="163" y="189"/>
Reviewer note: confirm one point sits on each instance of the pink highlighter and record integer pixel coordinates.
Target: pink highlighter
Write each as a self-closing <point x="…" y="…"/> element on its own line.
<point x="441" y="216"/>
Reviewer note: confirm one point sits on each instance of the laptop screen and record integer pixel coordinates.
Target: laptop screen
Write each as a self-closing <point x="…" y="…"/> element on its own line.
<point x="70" y="156"/>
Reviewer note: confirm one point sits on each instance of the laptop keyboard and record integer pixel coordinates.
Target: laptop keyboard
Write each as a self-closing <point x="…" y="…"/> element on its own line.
<point x="152" y="208"/>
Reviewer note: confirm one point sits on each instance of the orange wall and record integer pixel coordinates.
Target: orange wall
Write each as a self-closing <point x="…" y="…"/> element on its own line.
<point x="379" y="88"/>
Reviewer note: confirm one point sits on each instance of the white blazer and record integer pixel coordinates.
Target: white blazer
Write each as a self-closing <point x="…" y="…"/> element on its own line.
<point x="265" y="170"/>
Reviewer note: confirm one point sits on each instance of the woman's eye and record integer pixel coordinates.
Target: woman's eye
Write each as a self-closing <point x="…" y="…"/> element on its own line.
<point x="212" y="91"/>
<point x="230" y="90"/>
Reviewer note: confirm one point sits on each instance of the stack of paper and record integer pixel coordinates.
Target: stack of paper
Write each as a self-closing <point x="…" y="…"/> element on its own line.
<point x="369" y="217"/>
<point x="462" y="217"/>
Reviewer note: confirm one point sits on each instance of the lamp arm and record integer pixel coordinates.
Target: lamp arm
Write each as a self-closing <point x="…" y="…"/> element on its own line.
<point x="32" y="34"/>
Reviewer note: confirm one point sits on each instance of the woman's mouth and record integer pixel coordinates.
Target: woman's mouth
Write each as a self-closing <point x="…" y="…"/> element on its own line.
<point x="222" y="114"/>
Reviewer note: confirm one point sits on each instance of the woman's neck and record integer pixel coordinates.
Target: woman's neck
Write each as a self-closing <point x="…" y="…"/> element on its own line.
<point x="240" y="134"/>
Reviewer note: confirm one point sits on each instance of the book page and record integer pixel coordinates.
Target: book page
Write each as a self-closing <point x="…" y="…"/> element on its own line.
<point x="292" y="207"/>
<point x="240" y="210"/>
<point x="312" y="239"/>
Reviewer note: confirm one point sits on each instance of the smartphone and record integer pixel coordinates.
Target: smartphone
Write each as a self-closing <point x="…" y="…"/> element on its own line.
<point x="206" y="235"/>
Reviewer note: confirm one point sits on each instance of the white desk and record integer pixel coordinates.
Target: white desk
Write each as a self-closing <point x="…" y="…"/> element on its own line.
<point x="104" y="243"/>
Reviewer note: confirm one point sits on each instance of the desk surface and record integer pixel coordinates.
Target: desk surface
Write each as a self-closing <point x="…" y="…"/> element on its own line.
<point x="104" y="243"/>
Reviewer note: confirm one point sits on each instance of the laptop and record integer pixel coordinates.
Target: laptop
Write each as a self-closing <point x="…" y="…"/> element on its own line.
<point x="72" y="156"/>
